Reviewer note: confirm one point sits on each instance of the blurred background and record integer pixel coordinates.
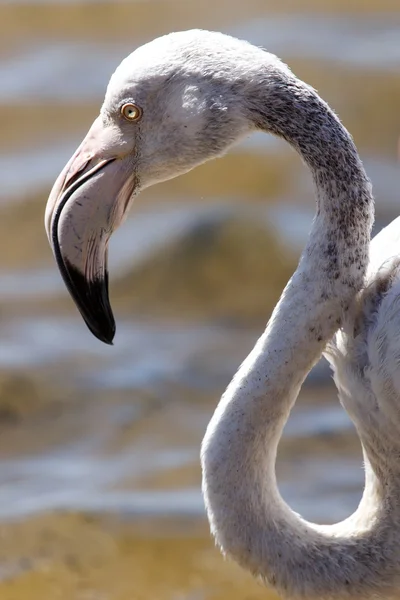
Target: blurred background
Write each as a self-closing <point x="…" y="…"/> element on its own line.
<point x="99" y="446"/>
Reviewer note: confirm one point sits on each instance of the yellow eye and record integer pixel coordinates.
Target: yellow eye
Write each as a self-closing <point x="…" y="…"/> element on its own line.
<point x="131" y="112"/>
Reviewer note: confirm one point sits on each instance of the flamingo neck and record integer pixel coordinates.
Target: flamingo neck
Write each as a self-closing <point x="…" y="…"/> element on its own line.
<point x="248" y="517"/>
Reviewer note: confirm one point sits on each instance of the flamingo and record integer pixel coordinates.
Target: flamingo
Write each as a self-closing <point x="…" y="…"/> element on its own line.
<point x="172" y="104"/>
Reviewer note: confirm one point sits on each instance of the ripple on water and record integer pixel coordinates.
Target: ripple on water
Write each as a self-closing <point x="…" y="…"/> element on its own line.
<point x="83" y="68"/>
<point x="174" y="362"/>
<point x="359" y="42"/>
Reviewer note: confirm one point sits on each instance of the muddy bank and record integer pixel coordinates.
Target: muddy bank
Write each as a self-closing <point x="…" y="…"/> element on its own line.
<point x="87" y="557"/>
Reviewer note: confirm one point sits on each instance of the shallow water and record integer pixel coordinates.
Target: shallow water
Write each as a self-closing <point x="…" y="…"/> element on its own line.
<point x="99" y="446"/>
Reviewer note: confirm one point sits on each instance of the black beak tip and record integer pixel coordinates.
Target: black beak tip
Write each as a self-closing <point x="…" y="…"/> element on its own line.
<point x="104" y="331"/>
<point x="98" y="315"/>
<point x="91" y="298"/>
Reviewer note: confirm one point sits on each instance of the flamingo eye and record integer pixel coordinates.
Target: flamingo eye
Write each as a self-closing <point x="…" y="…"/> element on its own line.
<point x="131" y="112"/>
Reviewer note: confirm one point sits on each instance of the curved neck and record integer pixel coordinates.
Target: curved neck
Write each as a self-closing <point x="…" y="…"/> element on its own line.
<point x="248" y="517"/>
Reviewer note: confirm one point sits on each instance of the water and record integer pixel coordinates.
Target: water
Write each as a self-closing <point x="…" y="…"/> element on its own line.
<point x="99" y="446"/>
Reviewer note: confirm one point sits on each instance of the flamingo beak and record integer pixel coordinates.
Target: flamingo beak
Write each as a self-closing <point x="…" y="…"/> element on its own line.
<point x="87" y="203"/>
